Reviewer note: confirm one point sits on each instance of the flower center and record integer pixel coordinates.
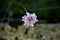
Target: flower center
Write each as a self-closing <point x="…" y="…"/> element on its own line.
<point x="30" y="18"/>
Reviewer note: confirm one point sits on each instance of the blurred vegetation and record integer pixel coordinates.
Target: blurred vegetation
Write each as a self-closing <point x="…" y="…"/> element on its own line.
<point x="42" y="8"/>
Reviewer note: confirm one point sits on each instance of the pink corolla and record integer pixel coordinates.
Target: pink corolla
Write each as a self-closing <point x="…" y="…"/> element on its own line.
<point x="29" y="19"/>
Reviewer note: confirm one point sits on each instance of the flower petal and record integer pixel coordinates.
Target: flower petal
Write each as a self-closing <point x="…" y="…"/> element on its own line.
<point x="28" y="14"/>
<point x="29" y="19"/>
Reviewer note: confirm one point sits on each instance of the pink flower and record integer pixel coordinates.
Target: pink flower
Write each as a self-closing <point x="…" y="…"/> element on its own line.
<point x="29" y="19"/>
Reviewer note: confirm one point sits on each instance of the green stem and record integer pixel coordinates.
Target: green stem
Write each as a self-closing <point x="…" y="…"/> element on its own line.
<point x="9" y="5"/>
<point x="22" y="6"/>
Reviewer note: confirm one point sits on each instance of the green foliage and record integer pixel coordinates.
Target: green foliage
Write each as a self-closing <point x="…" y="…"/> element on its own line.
<point x="42" y="8"/>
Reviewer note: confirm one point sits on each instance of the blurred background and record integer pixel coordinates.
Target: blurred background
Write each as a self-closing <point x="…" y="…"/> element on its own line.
<point x="48" y="11"/>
